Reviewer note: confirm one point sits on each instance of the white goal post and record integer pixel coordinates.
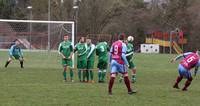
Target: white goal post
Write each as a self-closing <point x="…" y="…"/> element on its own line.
<point x="35" y="34"/>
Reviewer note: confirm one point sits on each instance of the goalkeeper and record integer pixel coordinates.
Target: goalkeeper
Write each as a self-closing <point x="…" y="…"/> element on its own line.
<point x="15" y="52"/>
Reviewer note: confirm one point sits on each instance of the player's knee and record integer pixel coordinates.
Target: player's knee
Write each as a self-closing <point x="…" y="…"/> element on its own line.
<point x="9" y="59"/>
<point x="134" y="69"/>
<point x="126" y="75"/>
<point x="180" y="76"/>
<point x="190" y="79"/>
<point x="113" y="75"/>
<point x="65" y="68"/>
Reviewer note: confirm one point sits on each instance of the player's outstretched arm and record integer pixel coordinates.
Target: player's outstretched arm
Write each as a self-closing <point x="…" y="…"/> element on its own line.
<point x="180" y="56"/>
<point x="176" y="58"/>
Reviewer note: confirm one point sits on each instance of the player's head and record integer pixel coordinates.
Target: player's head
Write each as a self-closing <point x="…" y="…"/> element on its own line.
<point x="121" y="36"/>
<point x="82" y="39"/>
<point x="130" y="39"/>
<point x="17" y="42"/>
<point x="89" y="41"/>
<point x="126" y="41"/>
<point x="66" y="37"/>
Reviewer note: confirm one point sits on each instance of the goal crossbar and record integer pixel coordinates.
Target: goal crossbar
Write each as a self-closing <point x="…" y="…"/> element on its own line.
<point x="37" y="21"/>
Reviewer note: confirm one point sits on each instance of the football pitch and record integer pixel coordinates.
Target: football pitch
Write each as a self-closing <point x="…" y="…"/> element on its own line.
<point x="40" y="83"/>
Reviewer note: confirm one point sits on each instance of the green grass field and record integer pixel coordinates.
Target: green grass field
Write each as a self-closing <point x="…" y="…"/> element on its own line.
<point x="40" y="83"/>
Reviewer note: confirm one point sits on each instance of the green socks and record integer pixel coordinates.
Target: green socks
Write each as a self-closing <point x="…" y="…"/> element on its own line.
<point x="133" y="78"/>
<point x="91" y="75"/>
<point x="79" y="75"/>
<point x="103" y="76"/>
<point x="99" y="75"/>
<point x="65" y="75"/>
<point x="71" y="74"/>
<point x="87" y="74"/>
<point x="84" y="75"/>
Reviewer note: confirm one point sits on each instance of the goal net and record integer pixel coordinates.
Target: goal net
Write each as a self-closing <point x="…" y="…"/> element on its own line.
<point x="35" y="34"/>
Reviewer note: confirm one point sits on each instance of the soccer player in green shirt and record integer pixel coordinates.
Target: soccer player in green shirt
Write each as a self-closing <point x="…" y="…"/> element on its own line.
<point x="81" y="49"/>
<point x="65" y="50"/>
<point x="129" y="56"/>
<point x="102" y="49"/>
<point x="15" y="52"/>
<point x="90" y="60"/>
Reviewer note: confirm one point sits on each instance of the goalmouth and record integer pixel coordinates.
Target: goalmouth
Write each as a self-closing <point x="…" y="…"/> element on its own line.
<point x="35" y="34"/>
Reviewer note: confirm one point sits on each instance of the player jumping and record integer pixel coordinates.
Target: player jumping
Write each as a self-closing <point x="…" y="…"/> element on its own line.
<point x="119" y="64"/>
<point x="129" y="56"/>
<point x="65" y="49"/>
<point x="190" y="60"/>
<point x="15" y="52"/>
